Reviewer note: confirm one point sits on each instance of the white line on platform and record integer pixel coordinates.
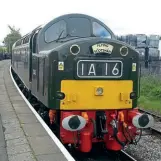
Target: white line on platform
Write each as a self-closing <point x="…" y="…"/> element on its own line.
<point x="51" y="134"/>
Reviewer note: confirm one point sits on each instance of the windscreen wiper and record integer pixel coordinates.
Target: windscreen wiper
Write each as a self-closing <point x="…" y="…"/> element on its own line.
<point x="60" y="35"/>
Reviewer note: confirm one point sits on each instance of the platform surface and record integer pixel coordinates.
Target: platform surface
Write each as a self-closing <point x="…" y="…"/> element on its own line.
<point x="22" y="137"/>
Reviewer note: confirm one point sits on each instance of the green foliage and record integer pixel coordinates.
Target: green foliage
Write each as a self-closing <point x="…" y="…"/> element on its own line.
<point x="152" y="105"/>
<point x="12" y="37"/>
<point x="3" y="49"/>
<point x="151" y="87"/>
<point x="150" y="93"/>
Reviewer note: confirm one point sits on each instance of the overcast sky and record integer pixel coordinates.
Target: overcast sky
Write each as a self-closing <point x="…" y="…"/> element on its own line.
<point x="122" y="16"/>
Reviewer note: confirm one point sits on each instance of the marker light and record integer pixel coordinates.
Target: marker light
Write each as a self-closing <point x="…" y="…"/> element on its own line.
<point x="75" y="49"/>
<point x="123" y="50"/>
<point x="133" y="95"/>
<point x="60" y="95"/>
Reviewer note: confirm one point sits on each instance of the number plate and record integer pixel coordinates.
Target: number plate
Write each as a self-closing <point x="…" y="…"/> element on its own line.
<point x="99" y="68"/>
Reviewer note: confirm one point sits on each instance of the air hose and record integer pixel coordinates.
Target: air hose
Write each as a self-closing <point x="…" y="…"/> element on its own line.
<point x="94" y="127"/>
<point x="115" y="131"/>
<point x="133" y="141"/>
<point x="117" y="139"/>
<point x="125" y="135"/>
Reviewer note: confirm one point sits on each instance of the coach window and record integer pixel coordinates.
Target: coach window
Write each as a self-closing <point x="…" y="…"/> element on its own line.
<point x="57" y="30"/>
<point x="100" y="31"/>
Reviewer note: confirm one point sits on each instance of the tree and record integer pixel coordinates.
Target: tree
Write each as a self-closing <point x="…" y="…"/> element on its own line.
<point x="3" y="49"/>
<point x="12" y="37"/>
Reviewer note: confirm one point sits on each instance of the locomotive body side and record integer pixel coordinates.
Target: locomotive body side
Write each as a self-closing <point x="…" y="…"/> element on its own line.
<point x="31" y="67"/>
<point x="20" y="59"/>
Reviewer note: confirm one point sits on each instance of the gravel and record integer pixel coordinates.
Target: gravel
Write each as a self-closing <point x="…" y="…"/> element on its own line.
<point x="157" y="126"/>
<point x="148" y="149"/>
<point x="149" y="146"/>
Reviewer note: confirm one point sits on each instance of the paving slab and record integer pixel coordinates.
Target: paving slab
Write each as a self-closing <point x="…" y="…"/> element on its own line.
<point x="3" y="151"/>
<point x="51" y="157"/>
<point x="14" y="135"/>
<point x="6" y="110"/>
<point x="15" y="98"/>
<point x="37" y="141"/>
<point x="9" y="128"/>
<point x="24" y="118"/>
<point x="10" y="121"/>
<point x="18" y="141"/>
<point x="21" y="109"/>
<point x="22" y="157"/>
<point x="6" y="105"/>
<point x="9" y="115"/>
<point x="18" y="149"/>
<point x="3" y="157"/>
<point x="34" y="129"/>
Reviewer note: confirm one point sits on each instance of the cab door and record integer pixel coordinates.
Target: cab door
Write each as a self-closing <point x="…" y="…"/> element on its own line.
<point x="34" y="68"/>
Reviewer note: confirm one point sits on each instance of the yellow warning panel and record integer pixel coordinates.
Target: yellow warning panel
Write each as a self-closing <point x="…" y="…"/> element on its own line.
<point x="89" y="95"/>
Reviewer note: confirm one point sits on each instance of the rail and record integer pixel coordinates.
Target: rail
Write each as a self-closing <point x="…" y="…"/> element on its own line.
<point x="156" y="117"/>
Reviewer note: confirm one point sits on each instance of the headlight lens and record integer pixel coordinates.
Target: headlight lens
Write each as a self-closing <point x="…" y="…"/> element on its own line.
<point x="99" y="91"/>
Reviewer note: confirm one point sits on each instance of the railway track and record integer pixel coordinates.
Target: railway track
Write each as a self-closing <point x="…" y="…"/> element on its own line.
<point x="157" y="126"/>
<point x="151" y="113"/>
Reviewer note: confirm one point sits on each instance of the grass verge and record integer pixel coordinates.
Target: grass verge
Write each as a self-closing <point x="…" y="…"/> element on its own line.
<point x="150" y="98"/>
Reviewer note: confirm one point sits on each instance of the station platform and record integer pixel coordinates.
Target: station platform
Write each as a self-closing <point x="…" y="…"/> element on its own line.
<point x="22" y="134"/>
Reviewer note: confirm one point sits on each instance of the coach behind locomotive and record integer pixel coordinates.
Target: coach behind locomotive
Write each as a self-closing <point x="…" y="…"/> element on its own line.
<point x="86" y="80"/>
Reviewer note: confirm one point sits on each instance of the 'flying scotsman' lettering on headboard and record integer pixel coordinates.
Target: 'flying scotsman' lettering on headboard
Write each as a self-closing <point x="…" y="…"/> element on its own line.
<point x="102" y="48"/>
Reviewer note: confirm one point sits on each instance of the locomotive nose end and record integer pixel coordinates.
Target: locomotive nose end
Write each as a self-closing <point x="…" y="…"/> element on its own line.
<point x="73" y="123"/>
<point x="143" y="121"/>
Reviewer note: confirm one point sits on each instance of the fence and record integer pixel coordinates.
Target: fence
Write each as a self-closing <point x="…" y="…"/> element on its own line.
<point x="148" y="49"/>
<point x="154" y="68"/>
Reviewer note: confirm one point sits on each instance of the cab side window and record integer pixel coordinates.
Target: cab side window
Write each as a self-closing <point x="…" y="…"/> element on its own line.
<point x="34" y="49"/>
<point x="100" y="31"/>
<point x="54" y="31"/>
